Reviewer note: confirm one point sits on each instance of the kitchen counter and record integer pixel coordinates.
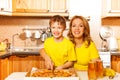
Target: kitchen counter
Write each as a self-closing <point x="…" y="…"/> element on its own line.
<point x="81" y="74"/>
<point x="17" y="53"/>
<point x="5" y="54"/>
<point x="35" y="52"/>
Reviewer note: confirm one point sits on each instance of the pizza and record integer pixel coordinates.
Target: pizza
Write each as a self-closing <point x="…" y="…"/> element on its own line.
<point x="50" y="73"/>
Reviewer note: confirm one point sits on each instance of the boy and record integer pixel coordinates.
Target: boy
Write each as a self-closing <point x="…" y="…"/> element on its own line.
<point x="58" y="51"/>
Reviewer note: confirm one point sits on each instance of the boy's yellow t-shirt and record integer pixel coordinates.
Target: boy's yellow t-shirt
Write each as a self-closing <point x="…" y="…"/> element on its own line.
<point x="84" y="55"/>
<point x="60" y="52"/>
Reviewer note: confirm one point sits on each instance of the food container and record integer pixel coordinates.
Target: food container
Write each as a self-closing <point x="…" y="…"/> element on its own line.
<point x="100" y="68"/>
<point x="92" y="70"/>
<point x="115" y="63"/>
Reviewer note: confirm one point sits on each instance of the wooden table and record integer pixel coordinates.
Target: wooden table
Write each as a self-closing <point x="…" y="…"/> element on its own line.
<point x="81" y="74"/>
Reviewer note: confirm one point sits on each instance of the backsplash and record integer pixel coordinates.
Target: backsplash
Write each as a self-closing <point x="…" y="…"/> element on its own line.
<point x="10" y="26"/>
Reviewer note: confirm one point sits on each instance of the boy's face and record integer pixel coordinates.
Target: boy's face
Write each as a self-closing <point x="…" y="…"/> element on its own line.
<point x="57" y="30"/>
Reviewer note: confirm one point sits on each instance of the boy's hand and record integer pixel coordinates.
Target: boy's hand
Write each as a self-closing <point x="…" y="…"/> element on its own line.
<point x="49" y="63"/>
<point x="59" y="68"/>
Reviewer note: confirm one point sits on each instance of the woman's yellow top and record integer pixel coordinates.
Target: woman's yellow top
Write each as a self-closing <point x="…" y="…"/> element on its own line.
<point x="60" y="52"/>
<point x="84" y="55"/>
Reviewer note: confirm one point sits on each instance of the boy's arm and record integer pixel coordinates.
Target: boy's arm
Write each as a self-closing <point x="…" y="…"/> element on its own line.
<point x="66" y="65"/>
<point x="48" y="62"/>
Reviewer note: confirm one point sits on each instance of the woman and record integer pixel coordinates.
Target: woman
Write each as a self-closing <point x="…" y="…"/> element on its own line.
<point x="58" y="51"/>
<point x="79" y="34"/>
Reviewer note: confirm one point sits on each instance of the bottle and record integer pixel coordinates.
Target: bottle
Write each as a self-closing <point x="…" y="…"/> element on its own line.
<point x="37" y="34"/>
<point x="44" y="36"/>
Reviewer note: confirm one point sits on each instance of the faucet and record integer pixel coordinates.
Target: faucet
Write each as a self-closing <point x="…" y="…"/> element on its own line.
<point x="5" y="40"/>
<point x="13" y="39"/>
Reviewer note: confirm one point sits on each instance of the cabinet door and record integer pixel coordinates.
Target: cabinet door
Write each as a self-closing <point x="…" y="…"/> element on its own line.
<point x="6" y="5"/>
<point x="24" y="5"/>
<point x="31" y="5"/>
<point x="22" y="63"/>
<point x="58" y="6"/>
<point x="115" y="6"/>
<point x="25" y="63"/>
<point x="4" y="68"/>
<point x="110" y="8"/>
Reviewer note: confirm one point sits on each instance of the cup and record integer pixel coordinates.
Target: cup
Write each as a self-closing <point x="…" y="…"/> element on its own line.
<point x="92" y="70"/>
<point x="37" y="34"/>
<point x="28" y="33"/>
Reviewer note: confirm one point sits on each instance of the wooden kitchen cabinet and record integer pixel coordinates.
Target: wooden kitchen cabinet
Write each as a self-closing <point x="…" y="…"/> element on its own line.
<point x="18" y="7"/>
<point x="110" y="8"/>
<point x="32" y="5"/>
<point x="6" y="5"/>
<point x="42" y="5"/>
<point x="24" y="5"/>
<point x="25" y="63"/>
<point x="5" y="68"/>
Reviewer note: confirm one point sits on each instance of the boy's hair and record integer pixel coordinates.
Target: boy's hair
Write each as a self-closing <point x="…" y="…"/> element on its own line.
<point x="57" y="18"/>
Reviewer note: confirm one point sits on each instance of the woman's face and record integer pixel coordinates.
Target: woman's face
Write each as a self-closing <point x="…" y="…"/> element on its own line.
<point x="77" y="28"/>
<point x="57" y="30"/>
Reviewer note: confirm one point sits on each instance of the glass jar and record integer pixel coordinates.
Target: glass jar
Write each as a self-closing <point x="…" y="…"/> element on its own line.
<point x="100" y="69"/>
<point x="92" y="70"/>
